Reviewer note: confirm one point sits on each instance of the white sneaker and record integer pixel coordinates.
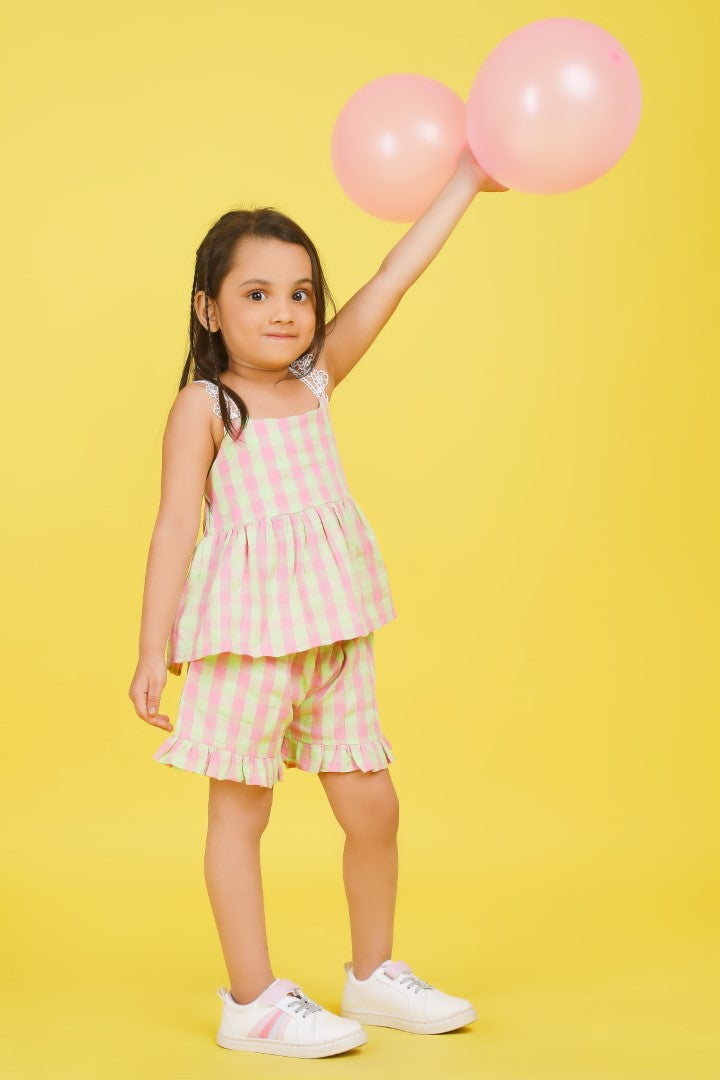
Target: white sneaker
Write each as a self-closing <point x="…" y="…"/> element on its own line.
<point x="393" y="996"/>
<point x="282" y="1020"/>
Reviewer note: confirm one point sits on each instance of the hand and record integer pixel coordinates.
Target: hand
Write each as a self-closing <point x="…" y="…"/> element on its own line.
<point x="145" y="690"/>
<point x="467" y="163"/>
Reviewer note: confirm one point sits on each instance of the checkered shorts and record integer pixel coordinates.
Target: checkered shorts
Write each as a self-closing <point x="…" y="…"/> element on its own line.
<point x="245" y="718"/>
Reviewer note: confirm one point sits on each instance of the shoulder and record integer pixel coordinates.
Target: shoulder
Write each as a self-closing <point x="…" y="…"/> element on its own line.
<point x="190" y="432"/>
<point x="193" y="414"/>
<point x="190" y="402"/>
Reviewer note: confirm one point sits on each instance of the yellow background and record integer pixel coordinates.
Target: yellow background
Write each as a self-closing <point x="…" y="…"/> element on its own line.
<point x="534" y="439"/>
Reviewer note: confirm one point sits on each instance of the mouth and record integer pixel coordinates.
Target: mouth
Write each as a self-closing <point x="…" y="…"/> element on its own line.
<point x="281" y="337"/>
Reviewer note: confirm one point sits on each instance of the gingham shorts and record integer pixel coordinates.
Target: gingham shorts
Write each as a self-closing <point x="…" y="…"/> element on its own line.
<point x="244" y="717"/>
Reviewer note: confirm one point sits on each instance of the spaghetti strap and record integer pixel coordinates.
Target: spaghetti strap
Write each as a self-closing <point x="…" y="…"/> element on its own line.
<point x="215" y="393"/>
<point x="317" y="380"/>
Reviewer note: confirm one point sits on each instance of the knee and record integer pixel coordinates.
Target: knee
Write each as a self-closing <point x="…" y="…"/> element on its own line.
<point x="242" y="808"/>
<point x="377" y="820"/>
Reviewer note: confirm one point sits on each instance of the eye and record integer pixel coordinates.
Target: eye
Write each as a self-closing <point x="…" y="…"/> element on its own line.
<point x="261" y="292"/>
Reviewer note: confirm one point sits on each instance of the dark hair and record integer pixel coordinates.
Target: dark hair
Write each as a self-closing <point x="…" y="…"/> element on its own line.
<point x="207" y="356"/>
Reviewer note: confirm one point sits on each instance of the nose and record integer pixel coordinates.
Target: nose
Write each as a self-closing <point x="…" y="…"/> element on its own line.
<point x="282" y="313"/>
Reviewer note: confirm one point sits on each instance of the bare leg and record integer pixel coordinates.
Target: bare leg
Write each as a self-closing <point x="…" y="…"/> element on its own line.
<point x="237" y="817"/>
<point x="367" y="807"/>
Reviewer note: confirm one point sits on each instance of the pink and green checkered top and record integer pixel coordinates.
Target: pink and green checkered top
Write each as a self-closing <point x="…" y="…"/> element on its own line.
<point x="287" y="559"/>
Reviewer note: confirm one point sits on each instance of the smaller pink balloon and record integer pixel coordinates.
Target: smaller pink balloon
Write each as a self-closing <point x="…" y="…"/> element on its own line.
<point x="396" y="142"/>
<point x="554" y="106"/>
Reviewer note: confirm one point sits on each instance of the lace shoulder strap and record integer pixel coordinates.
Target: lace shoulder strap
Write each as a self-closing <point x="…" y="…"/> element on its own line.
<point x="317" y="379"/>
<point x="215" y="393"/>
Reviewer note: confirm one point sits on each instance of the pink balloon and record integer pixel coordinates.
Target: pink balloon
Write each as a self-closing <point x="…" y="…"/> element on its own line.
<point x="553" y="107"/>
<point x="396" y="143"/>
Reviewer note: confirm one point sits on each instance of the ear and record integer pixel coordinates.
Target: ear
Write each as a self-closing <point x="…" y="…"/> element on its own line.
<point x="199" y="304"/>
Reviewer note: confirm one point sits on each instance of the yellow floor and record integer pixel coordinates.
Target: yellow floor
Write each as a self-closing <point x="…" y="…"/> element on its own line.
<point x="580" y="980"/>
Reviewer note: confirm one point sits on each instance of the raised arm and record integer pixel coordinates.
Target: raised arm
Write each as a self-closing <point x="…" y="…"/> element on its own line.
<point x="361" y="319"/>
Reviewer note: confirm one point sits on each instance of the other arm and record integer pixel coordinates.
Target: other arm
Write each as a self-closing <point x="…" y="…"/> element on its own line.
<point x="188" y="452"/>
<point x="361" y="319"/>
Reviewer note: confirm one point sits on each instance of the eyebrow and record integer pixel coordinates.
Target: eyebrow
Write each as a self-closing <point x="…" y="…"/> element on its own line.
<point x="262" y="281"/>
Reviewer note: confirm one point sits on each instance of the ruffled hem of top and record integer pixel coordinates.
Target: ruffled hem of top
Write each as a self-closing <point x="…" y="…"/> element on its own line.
<point x="232" y="642"/>
<point x="281" y="585"/>
<point x="371" y="755"/>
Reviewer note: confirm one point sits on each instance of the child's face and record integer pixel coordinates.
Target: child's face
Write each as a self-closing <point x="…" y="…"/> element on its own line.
<point x="249" y="311"/>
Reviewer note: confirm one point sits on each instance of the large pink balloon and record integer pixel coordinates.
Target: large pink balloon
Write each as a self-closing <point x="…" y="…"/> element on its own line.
<point x="553" y="107"/>
<point x="396" y="143"/>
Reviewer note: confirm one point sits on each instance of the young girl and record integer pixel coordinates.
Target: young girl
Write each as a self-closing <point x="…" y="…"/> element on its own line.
<point x="276" y="616"/>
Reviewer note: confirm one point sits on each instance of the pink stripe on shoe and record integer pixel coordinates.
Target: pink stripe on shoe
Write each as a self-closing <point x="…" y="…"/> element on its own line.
<point x="278" y="1029"/>
<point x="262" y="1029"/>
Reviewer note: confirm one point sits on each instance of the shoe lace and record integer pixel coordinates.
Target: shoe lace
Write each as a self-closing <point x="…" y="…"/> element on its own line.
<point x="303" y="1005"/>
<point x="414" y="982"/>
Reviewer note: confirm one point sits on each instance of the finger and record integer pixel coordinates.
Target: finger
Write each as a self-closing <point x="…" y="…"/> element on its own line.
<point x="161" y="722"/>
<point x="139" y="701"/>
<point x="153" y="704"/>
<point x="157" y="718"/>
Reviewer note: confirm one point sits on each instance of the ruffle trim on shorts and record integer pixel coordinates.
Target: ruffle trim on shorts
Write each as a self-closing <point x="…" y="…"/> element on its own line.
<point x="368" y="756"/>
<point x="220" y="764"/>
